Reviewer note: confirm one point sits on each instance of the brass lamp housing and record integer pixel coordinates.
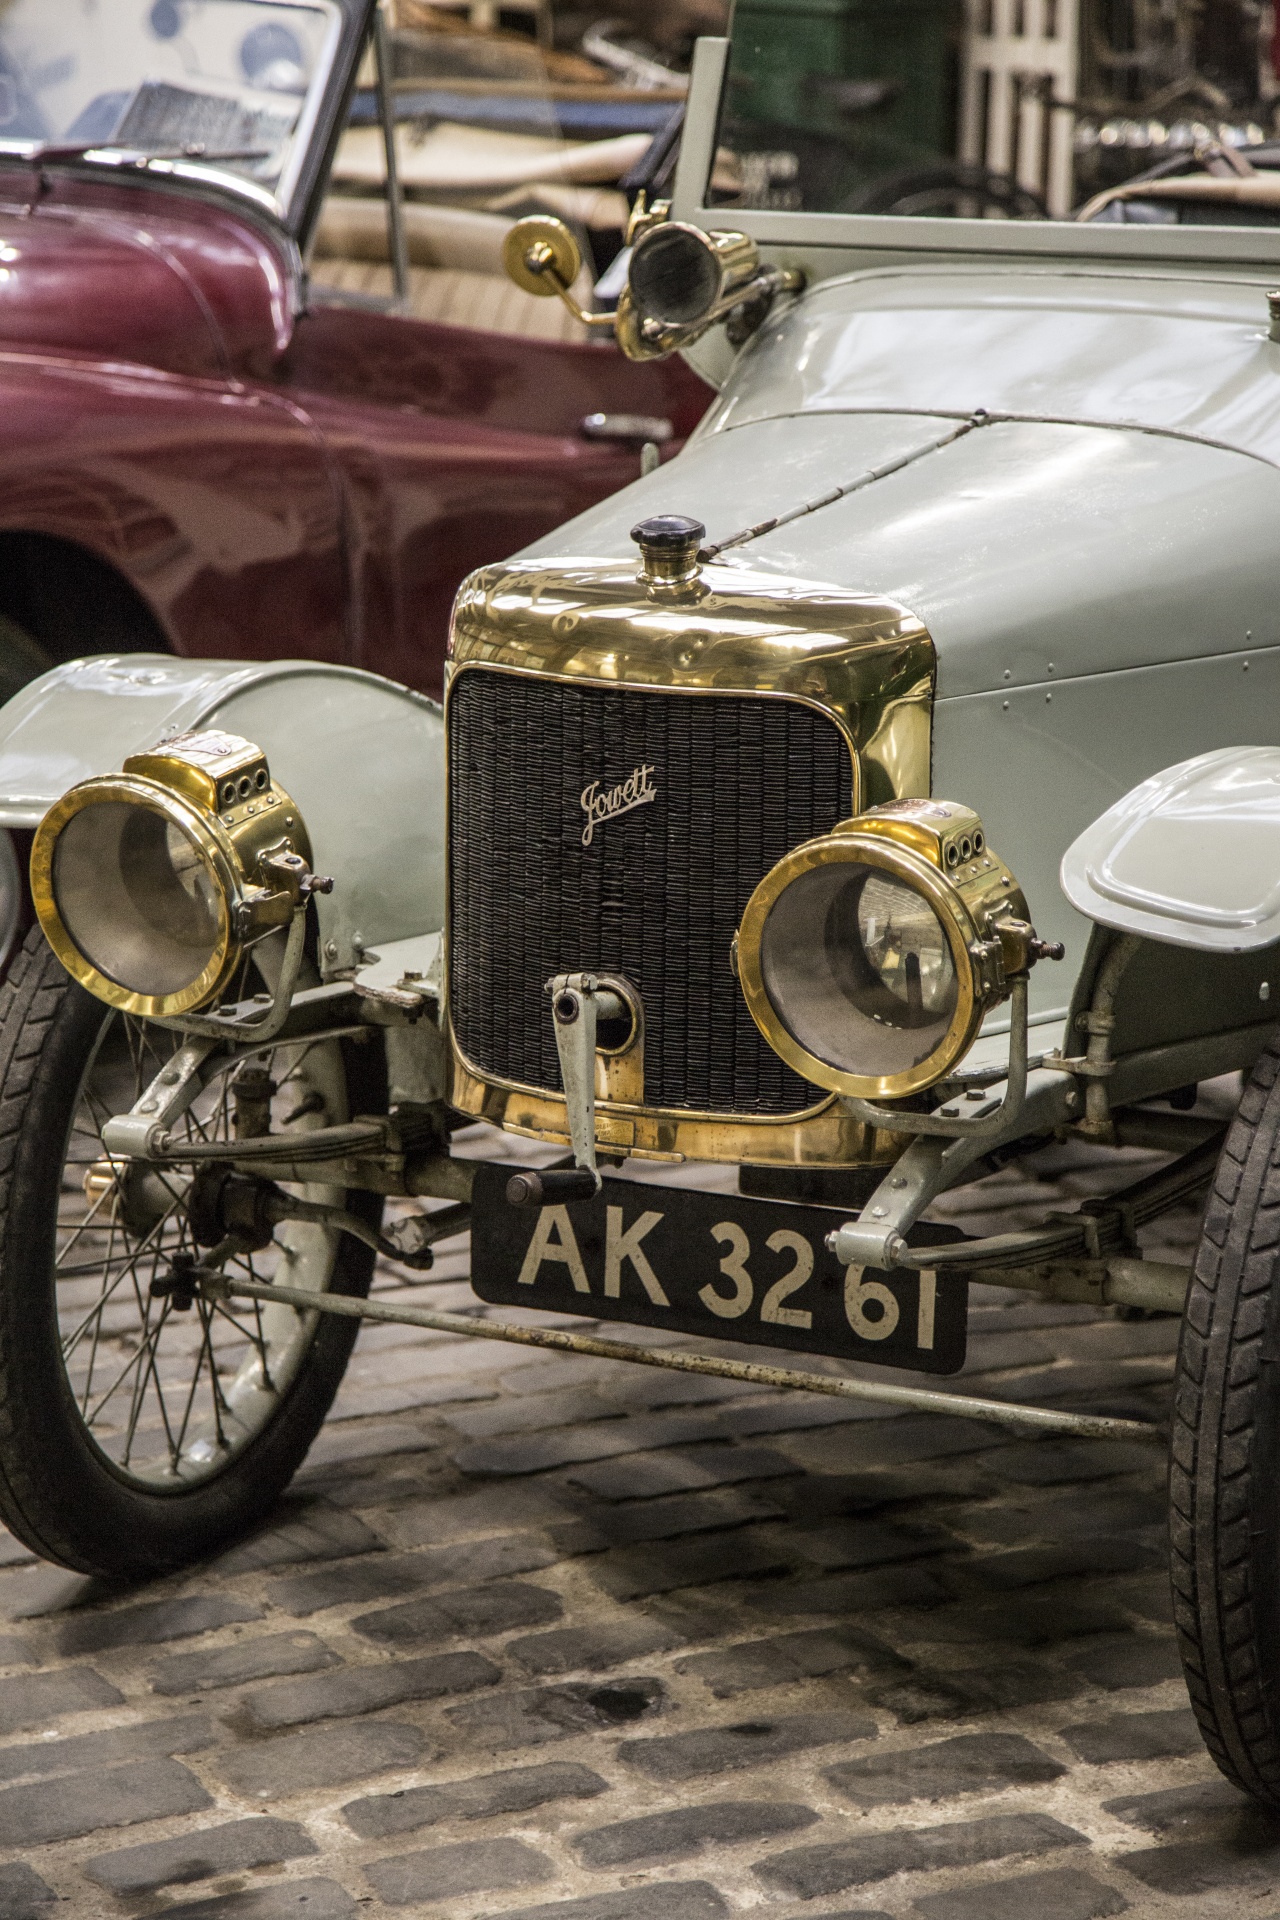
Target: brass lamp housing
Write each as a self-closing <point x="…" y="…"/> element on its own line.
<point x="937" y="848"/>
<point x="217" y="790"/>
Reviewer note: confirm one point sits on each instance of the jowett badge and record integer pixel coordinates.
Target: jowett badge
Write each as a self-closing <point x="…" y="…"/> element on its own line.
<point x="637" y="790"/>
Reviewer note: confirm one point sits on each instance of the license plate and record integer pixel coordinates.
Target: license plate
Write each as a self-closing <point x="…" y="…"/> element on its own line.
<point x="714" y="1264"/>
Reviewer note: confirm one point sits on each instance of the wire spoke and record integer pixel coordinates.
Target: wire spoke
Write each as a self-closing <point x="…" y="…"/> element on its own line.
<point x="151" y="1383"/>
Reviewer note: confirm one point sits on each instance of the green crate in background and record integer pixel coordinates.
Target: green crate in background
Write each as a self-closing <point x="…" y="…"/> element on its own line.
<point x="786" y="54"/>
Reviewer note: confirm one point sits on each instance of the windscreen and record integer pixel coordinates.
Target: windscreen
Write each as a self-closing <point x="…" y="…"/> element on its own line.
<point x="1146" y="112"/>
<point x="221" y="82"/>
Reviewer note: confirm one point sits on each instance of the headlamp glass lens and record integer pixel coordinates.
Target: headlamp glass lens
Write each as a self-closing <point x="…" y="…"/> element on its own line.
<point x="136" y="896"/>
<point x="674" y="276"/>
<point x="859" y="970"/>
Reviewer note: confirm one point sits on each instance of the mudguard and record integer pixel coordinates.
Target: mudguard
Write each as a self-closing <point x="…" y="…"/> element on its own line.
<point x="1190" y="858"/>
<point x="362" y="756"/>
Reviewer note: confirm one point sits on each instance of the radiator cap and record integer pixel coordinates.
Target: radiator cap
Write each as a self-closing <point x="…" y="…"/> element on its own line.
<point x="669" y="544"/>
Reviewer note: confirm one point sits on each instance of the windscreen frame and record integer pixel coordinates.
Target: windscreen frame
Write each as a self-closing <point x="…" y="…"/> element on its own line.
<point x="826" y="244"/>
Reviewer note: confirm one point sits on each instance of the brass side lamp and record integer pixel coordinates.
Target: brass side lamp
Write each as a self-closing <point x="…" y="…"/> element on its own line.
<point x="680" y="280"/>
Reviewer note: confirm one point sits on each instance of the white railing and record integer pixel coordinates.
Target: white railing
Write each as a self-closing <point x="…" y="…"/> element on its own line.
<point x="1020" y="55"/>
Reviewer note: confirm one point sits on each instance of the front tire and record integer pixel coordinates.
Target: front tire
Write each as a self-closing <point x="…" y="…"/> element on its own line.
<point x="1224" y="1475"/>
<point x="136" y="1437"/>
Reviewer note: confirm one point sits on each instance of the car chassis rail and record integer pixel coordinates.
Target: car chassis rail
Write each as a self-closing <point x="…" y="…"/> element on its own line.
<point x="1088" y="1257"/>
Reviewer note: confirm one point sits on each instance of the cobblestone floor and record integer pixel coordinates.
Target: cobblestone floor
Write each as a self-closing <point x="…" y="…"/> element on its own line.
<point x="540" y="1636"/>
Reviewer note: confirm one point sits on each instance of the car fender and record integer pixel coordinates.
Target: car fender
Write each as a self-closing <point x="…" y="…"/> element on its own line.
<point x="1188" y="857"/>
<point x="362" y="756"/>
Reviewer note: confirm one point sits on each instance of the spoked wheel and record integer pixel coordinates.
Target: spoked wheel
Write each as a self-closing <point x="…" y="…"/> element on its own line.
<point x="138" y="1431"/>
<point x="1224" y="1478"/>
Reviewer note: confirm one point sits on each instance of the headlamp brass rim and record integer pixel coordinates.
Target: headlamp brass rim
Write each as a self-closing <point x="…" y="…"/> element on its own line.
<point x="213" y="845"/>
<point x="958" y="924"/>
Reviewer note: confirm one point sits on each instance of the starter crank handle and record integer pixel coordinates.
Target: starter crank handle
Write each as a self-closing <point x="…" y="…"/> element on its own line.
<point x="536" y="1189"/>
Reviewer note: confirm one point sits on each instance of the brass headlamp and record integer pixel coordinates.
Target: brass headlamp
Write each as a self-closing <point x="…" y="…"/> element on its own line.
<point x="151" y="883"/>
<point x="870" y="957"/>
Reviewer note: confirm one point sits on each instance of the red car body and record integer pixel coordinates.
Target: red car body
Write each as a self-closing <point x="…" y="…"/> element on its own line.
<point x="197" y="457"/>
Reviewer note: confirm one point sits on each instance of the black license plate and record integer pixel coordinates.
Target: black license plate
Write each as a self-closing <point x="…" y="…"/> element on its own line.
<point x="714" y="1264"/>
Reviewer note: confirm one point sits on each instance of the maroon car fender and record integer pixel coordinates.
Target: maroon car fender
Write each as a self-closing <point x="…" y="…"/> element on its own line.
<point x="216" y="502"/>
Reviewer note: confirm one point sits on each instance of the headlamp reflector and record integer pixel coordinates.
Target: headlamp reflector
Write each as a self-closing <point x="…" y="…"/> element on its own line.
<point x="868" y="958"/>
<point x="859" y="970"/>
<point x="138" y="897"/>
<point x="151" y="883"/>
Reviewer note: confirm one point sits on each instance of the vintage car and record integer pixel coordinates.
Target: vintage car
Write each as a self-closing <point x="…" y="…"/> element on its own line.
<point x="224" y="435"/>
<point x="889" y="783"/>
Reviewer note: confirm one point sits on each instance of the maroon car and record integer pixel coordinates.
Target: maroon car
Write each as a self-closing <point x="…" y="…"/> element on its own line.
<point x="202" y="451"/>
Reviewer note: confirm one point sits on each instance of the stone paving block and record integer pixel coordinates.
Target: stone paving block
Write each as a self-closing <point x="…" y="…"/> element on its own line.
<point x="601" y="1440"/>
<point x="808" y="1872"/>
<point x="868" y="1542"/>
<point x="664" y="1518"/>
<point x="856" y="1593"/>
<point x="1047" y="1463"/>
<point x="1134" y="1660"/>
<point x="644" y="1476"/>
<point x="444" y="1873"/>
<point x="200" y="1855"/>
<point x="890" y="1442"/>
<point x="1013" y="1523"/>
<point x="177" y="1619"/>
<point x="471" y="1519"/>
<point x="1209" y="1807"/>
<point x="335" y="1446"/>
<point x="670" y="1900"/>
<point x="1203" y="1866"/>
<point x="33" y="1699"/>
<point x="682" y="1831"/>
<point x="1148" y="1596"/>
<point x="825" y="1496"/>
<point x="1064" y="1893"/>
<point x="971" y="1763"/>
<point x="792" y="1412"/>
<point x="77" y="1803"/>
<point x="335" y="1696"/>
<point x="382" y="1576"/>
<point x="593" y="1648"/>
<point x="790" y="1657"/>
<point x="499" y="1608"/>
<point x="287" y="1900"/>
<point x="215" y="1667"/>
<point x="528" y="1412"/>
<point x="308" y="1530"/>
<point x="354" y="1582"/>
<point x="23" y="1894"/>
<point x="82" y="1751"/>
<point x="1159" y="1735"/>
<point x="13" y="1653"/>
<point x="538" y="1714"/>
<point x="31" y="1593"/>
<point x="631" y="1573"/>
<point x="1079" y="1558"/>
<point x="516" y="1790"/>
<point x="1026" y="1619"/>
<point x="648" y="1389"/>
<point x="751" y="1743"/>
<point x="958" y="1693"/>
<point x="322" y="1757"/>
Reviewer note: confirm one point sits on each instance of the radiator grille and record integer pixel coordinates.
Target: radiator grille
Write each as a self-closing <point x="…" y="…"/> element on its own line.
<point x="655" y="897"/>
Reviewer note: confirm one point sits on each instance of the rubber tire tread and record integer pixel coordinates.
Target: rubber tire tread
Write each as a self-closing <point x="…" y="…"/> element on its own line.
<point x="58" y="1493"/>
<point x="1224" y="1462"/>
